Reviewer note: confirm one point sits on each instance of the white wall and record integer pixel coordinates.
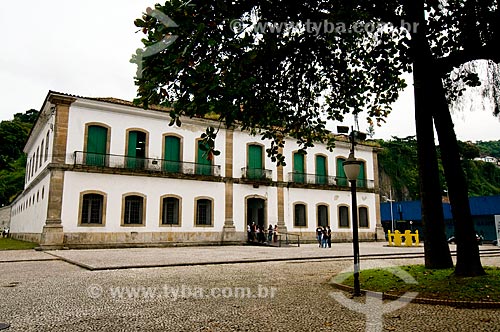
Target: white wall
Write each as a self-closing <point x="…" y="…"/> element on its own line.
<point x="331" y="198"/>
<point x="153" y="188"/>
<point x="38" y="136"/>
<point x="29" y="211"/>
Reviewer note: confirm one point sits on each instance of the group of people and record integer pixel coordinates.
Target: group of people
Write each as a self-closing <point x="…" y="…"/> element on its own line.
<point x="5" y="232"/>
<point x="256" y="233"/>
<point x="324" y="236"/>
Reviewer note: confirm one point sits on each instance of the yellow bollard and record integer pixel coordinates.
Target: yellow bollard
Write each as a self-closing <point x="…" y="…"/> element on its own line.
<point x="389" y="238"/>
<point x="397" y="239"/>
<point x="408" y="238"/>
<point x="416" y="238"/>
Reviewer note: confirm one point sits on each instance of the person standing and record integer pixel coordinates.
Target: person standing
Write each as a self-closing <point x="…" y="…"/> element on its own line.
<point x="319" y="235"/>
<point x="329" y="236"/>
<point x="270" y="233"/>
<point x="324" y="237"/>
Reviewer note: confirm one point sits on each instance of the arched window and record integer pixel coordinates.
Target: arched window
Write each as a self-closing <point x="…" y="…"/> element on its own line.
<point x="344" y="221"/>
<point x="47" y="137"/>
<point x="170" y="211"/>
<point x="255" y="162"/>
<point x="361" y="181"/>
<point x="92" y="209"/>
<point x="96" y="147"/>
<point x="204" y="212"/>
<point x="299" y="167"/>
<point x="133" y="213"/>
<point x="323" y="215"/>
<point x="136" y="149"/>
<point x="172" y="154"/>
<point x="321" y="170"/>
<point x="300" y="215"/>
<point x="42" y="151"/>
<point x="341" y="177"/>
<point x="203" y="159"/>
<point x="363" y="217"/>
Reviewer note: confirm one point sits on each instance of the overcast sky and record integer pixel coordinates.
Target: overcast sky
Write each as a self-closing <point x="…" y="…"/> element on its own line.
<point x="84" y="47"/>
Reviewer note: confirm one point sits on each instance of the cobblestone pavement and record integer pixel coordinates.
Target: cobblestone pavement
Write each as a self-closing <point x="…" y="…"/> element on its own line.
<point x="156" y="257"/>
<point x="265" y="296"/>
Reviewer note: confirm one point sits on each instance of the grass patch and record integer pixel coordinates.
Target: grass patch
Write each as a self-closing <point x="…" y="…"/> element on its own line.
<point x="11" y="244"/>
<point x="433" y="284"/>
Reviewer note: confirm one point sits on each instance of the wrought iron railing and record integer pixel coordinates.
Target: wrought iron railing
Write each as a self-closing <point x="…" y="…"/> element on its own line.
<point x="311" y="179"/>
<point x="150" y="164"/>
<point x="256" y="173"/>
<point x="360" y="183"/>
<point x="304" y="178"/>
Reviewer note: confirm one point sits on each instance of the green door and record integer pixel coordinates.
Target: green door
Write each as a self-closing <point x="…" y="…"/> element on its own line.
<point x="321" y="170"/>
<point x="361" y="183"/>
<point x="132" y="149"/>
<point x="203" y="164"/>
<point x="172" y="154"/>
<point x="341" y="177"/>
<point x="255" y="162"/>
<point x="97" y="137"/>
<point x="298" y="168"/>
<point x="136" y="152"/>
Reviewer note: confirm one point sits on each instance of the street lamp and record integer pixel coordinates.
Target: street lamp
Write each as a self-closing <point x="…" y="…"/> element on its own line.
<point x="390" y="200"/>
<point x="351" y="169"/>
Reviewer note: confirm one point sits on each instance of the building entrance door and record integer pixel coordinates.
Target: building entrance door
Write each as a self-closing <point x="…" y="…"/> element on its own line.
<point x="256" y="212"/>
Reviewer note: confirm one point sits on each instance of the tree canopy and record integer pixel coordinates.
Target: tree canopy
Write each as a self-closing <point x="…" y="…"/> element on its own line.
<point x="13" y="136"/>
<point x="285" y="80"/>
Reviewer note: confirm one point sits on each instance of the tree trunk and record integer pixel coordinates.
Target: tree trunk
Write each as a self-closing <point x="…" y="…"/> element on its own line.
<point x="468" y="258"/>
<point x="437" y="251"/>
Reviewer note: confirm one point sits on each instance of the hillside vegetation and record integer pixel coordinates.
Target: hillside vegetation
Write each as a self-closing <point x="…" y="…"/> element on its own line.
<point x="398" y="168"/>
<point x="13" y="135"/>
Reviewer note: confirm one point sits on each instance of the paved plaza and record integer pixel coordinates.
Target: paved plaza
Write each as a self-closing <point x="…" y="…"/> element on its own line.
<point x="240" y="288"/>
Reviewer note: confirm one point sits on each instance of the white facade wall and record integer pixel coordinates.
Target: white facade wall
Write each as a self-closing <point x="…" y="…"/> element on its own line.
<point x="115" y="186"/>
<point x="42" y="133"/>
<point x="29" y="210"/>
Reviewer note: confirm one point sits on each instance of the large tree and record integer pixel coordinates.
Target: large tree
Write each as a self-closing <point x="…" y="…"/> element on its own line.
<point x="288" y="80"/>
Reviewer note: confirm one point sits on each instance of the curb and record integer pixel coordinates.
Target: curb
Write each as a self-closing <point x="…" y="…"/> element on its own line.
<point x="423" y="300"/>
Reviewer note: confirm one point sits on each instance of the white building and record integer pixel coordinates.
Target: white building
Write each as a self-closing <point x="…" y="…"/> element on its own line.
<point x="104" y="173"/>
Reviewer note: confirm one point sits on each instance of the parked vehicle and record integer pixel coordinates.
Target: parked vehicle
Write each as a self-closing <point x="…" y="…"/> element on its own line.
<point x="479" y="239"/>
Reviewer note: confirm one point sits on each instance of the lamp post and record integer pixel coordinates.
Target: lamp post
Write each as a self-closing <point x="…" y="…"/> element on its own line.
<point x="351" y="169"/>
<point x="390" y="200"/>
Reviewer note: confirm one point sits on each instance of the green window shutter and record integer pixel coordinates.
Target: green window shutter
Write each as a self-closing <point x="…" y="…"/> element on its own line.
<point x="132" y="149"/>
<point x="321" y="170"/>
<point x="97" y="138"/>
<point x="341" y="177"/>
<point x="172" y="154"/>
<point x="204" y="166"/>
<point x="298" y="167"/>
<point x="255" y="164"/>
<point x="361" y="177"/>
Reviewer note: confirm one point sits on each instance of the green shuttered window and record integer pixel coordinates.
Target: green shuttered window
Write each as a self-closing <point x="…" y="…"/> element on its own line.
<point x="172" y="154"/>
<point x="97" y="137"/>
<point x="255" y="165"/>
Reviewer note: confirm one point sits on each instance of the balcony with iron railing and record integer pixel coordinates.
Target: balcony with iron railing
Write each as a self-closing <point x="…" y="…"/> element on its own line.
<point x="324" y="180"/>
<point x="256" y="174"/>
<point x="97" y="160"/>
